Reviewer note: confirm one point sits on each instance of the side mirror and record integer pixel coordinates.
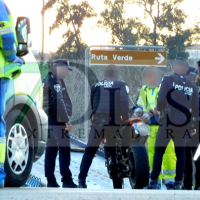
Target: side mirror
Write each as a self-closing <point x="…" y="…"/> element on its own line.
<point x="22" y="31"/>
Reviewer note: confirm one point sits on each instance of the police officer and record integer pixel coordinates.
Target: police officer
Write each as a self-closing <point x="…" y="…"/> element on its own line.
<point x="191" y="147"/>
<point x="110" y="110"/>
<point x="176" y="98"/>
<point x="58" y="107"/>
<point x="9" y="68"/>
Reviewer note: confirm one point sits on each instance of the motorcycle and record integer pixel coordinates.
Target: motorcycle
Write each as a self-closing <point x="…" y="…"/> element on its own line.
<point x="135" y="165"/>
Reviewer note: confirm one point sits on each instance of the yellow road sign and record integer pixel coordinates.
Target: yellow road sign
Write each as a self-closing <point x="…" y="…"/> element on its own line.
<point x="128" y="58"/>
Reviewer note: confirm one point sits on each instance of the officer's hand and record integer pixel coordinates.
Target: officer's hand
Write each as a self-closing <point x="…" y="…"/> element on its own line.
<point x="68" y="127"/>
<point x="194" y="131"/>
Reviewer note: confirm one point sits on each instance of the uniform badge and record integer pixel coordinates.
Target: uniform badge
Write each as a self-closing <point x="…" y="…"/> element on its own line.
<point x="57" y="87"/>
<point x="108" y="84"/>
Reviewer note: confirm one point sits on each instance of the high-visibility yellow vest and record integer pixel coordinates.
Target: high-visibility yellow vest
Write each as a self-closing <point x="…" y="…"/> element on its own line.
<point x="8" y="43"/>
<point x="148" y="97"/>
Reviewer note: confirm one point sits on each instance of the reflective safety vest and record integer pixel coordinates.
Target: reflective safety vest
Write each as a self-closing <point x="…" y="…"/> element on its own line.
<point x="8" y="43"/>
<point x="148" y="97"/>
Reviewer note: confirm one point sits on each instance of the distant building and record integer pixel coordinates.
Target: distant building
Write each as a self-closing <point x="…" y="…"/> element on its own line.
<point x="194" y="54"/>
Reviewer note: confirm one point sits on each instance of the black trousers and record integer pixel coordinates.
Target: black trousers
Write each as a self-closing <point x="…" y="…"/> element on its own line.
<point x="95" y="138"/>
<point x="165" y="134"/>
<point x="58" y="140"/>
<point x="190" y="150"/>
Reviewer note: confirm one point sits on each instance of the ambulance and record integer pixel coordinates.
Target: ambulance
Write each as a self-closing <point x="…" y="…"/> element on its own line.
<point x="26" y="122"/>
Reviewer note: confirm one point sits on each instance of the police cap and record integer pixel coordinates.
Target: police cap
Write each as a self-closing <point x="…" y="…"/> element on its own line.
<point x="61" y="62"/>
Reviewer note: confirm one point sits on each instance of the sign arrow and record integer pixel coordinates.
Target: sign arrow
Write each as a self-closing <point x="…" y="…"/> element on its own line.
<point x="161" y="58"/>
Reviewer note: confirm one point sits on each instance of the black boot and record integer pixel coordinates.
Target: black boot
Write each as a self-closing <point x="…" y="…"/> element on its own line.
<point x="177" y="185"/>
<point x="53" y="184"/>
<point x="69" y="184"/>
<point x="82" y="184"/>
<point x="153" y="185"/>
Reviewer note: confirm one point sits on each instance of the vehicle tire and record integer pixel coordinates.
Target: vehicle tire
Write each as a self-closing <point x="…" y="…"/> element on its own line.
<point x="19" y="149"/>
<point x="140" y="166"/>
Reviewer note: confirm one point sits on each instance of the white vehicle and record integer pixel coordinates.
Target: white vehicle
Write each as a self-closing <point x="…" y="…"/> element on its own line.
<point x="26" y="122"/>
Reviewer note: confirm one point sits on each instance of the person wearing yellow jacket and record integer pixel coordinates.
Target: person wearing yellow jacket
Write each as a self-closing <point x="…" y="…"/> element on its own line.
<point x="148" y="100"/>
<point x="9" y="68"/>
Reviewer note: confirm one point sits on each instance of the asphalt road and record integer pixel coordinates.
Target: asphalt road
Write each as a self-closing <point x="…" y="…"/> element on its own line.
<point x="99" y="186"/>
<point x="97" y="177"/>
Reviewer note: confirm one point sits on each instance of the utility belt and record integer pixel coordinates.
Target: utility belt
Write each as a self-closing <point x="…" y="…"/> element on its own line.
<point x="101" y="119"/>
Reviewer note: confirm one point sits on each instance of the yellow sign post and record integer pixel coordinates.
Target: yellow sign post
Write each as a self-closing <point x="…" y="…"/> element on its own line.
<point x="128" y="58"/>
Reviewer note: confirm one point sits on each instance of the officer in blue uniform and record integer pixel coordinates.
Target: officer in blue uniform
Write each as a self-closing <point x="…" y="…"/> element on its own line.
<point x="58" y="107"/>
<point x="191" y="146"/>
<point x="177" y="97"/>
<point x="110" y="110"/>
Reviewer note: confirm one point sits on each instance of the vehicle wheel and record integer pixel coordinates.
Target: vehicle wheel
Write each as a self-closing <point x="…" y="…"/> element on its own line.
<point x="19" y="149"/>
<point x="140" y="166"/>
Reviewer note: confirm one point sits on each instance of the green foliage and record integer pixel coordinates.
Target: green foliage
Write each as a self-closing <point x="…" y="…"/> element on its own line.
<point x="168" y="18"/>
<point x="72" y="16"/>
<point x="123" y="30"/>
<point x="168" y="25"/>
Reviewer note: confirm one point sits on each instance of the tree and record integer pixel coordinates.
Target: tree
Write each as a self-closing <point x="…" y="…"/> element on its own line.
<point x="168" y="22"/>
<point x="124" y="31"/>
<point x="168" y="26"/>
<point x="73" y="16"/>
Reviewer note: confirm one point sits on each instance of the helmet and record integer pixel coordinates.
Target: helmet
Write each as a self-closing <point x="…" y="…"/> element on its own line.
<point x="138" y="111"/>
<point x="141" y="129"/>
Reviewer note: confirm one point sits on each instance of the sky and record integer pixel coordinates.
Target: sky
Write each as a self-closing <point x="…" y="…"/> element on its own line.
<point x="91" y="34"/>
